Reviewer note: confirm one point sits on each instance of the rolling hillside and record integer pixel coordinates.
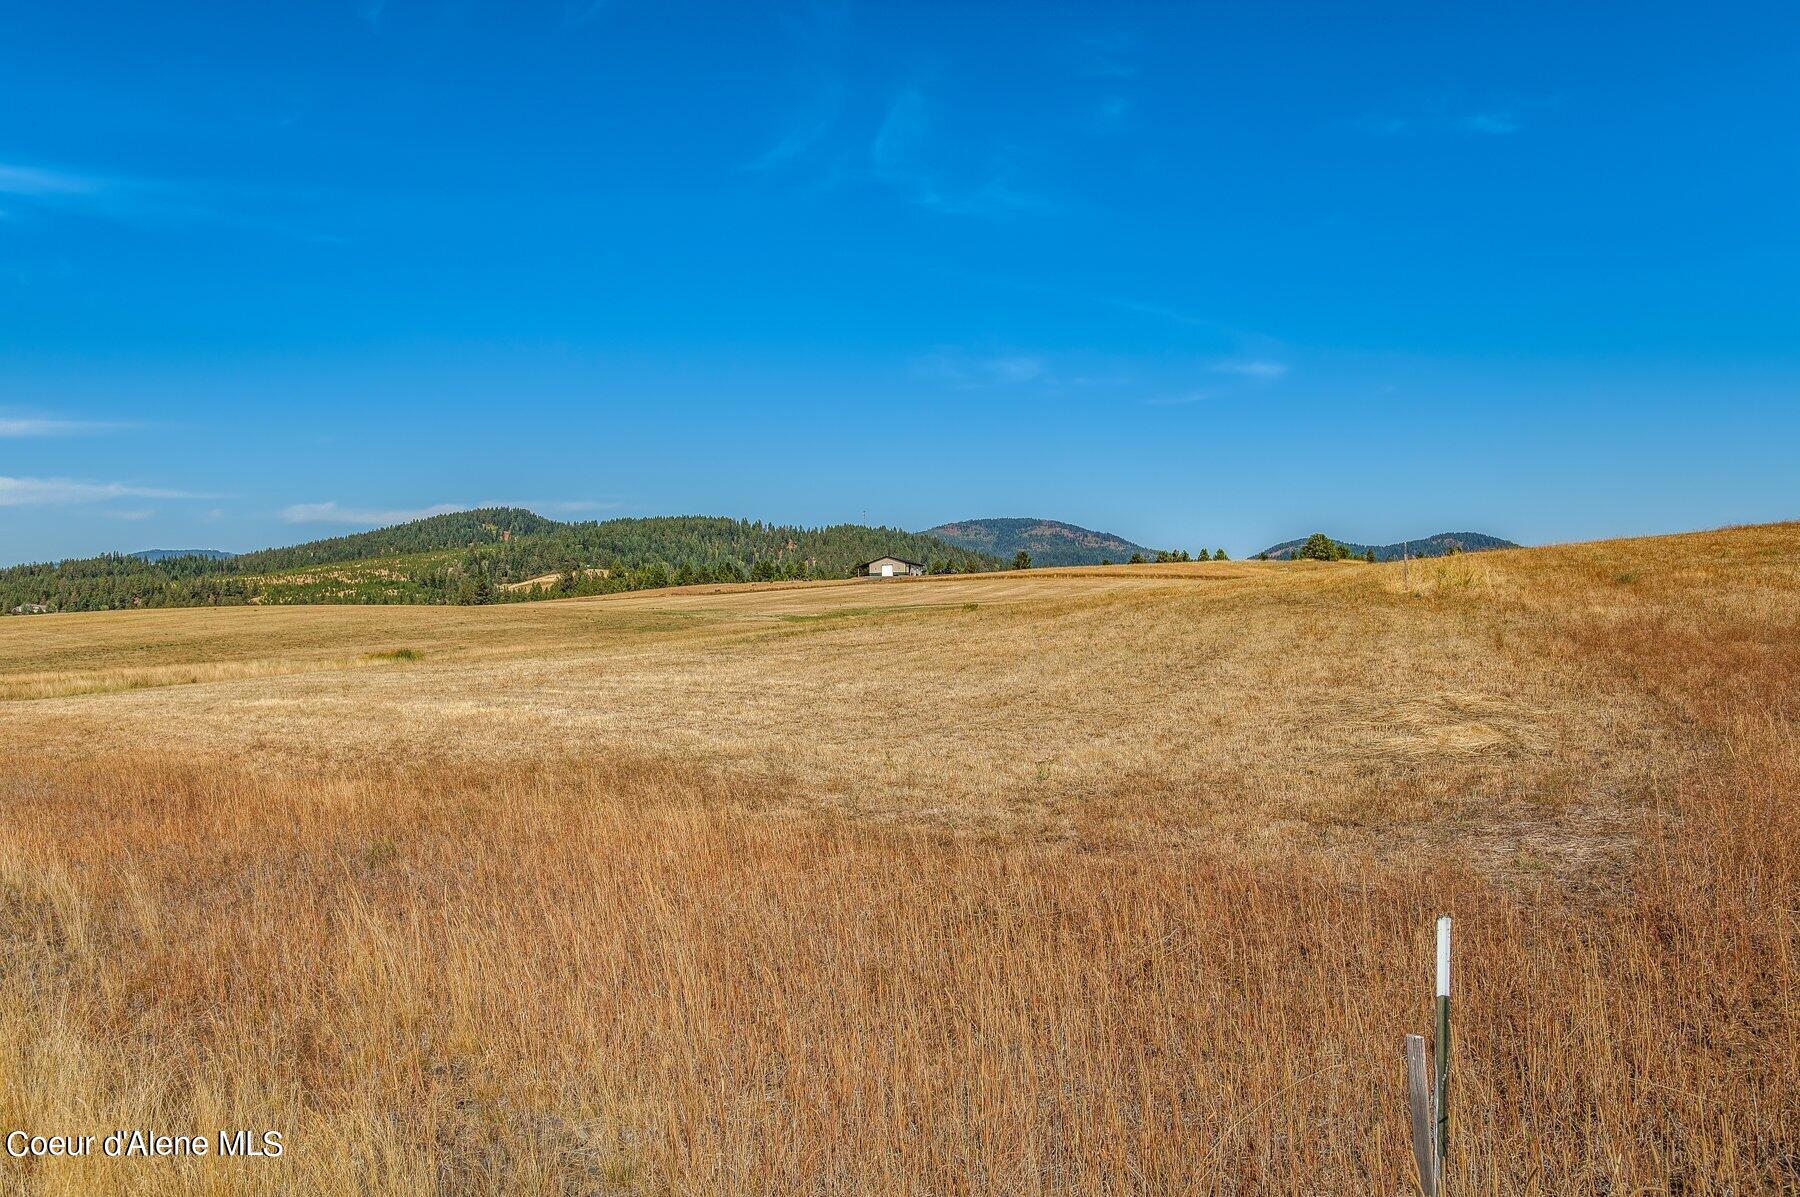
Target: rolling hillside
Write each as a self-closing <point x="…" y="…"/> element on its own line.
<point x="479" y="556"/>
<point x="1050" y="542"/>
<point x="1440" y="545"/>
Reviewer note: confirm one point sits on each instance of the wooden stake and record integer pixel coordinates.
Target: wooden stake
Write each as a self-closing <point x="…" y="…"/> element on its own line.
<point x="1418" y="1100"/>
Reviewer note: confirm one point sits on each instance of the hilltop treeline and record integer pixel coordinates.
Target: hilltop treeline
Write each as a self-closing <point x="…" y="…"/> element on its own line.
<point x="439" y="533"/>
<point x="473" y="556"/>
<point x="1441" y="545"/>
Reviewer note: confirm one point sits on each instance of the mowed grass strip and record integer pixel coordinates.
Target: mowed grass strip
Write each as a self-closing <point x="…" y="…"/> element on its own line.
<point x="1263" y="709"/>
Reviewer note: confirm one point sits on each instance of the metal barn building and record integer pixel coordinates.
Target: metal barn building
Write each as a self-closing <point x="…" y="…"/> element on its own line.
<point x="891" y="567"/>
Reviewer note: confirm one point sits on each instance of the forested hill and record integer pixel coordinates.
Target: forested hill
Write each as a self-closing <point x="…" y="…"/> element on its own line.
<point x="456" y="530"/>
<point x="493" y="555"/>
<point x="1443" y="544"/>
<point x="1047" y="542"/>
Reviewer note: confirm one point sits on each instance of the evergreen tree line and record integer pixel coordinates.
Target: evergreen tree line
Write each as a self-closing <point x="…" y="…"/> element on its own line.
<point x="1320" y="547"/>
<point x="1165" y="556"/>
<point x="472" y="557"/>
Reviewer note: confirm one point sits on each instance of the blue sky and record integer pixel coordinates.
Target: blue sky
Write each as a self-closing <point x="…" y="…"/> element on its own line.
<point x="1200" y="275"/>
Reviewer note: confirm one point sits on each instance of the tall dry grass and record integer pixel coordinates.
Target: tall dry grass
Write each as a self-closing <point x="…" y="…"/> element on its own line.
<point x="598" y="971"/>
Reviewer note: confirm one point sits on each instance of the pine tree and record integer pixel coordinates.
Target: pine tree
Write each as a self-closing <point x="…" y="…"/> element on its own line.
<point x="1320" y="547"/>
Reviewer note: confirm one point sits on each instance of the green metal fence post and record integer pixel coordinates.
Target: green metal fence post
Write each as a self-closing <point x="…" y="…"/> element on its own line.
<point x="1441" y="1097"/>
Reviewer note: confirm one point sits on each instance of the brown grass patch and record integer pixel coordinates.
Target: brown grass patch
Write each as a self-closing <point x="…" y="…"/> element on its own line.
<point x="70" y="683"/>
<point x="1109" y="885"/>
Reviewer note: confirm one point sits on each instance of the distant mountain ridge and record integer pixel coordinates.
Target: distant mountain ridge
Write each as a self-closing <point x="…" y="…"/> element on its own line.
<point x="165" y="554"/>
<point x="1440" y="545"/>
<point x="1050" y="542"/>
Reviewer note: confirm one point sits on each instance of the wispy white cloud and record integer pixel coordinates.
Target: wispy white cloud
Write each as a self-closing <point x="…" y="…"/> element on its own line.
<point x="1254" y="371"/>
<point x="580" y="12"/>
<point x="817" y="34"/>
<point x="45" y="189"/>
<point x="1495" y="123"/>
<point x="21" y="426"/>
<point x="1259" y="369"/>
<point x="132" y="514"/>
<point x="47" y="492"/>
<point x="1108" y="56"/>
<point x="38" y="181"/>
<point x="964" y="370"/>
<point x="996" y="196"/>
<point x="1499" y="120"/>
<point x="1106" y="67"/>
<point x="145" y="201"/>
<point x="807" y="131"/>
<point x="1111" y="111"/>
<point x="897" y="144"/>
<point x="1017" y="368"/>
<point x="1165" y="312"/>
<point x="900" y="156"/>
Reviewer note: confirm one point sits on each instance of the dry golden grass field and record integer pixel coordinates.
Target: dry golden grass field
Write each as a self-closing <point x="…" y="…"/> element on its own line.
<point x="1101" y="881"/>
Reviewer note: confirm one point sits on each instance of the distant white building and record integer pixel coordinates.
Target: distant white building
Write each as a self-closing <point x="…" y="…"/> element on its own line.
<point x="891" y="567"/>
